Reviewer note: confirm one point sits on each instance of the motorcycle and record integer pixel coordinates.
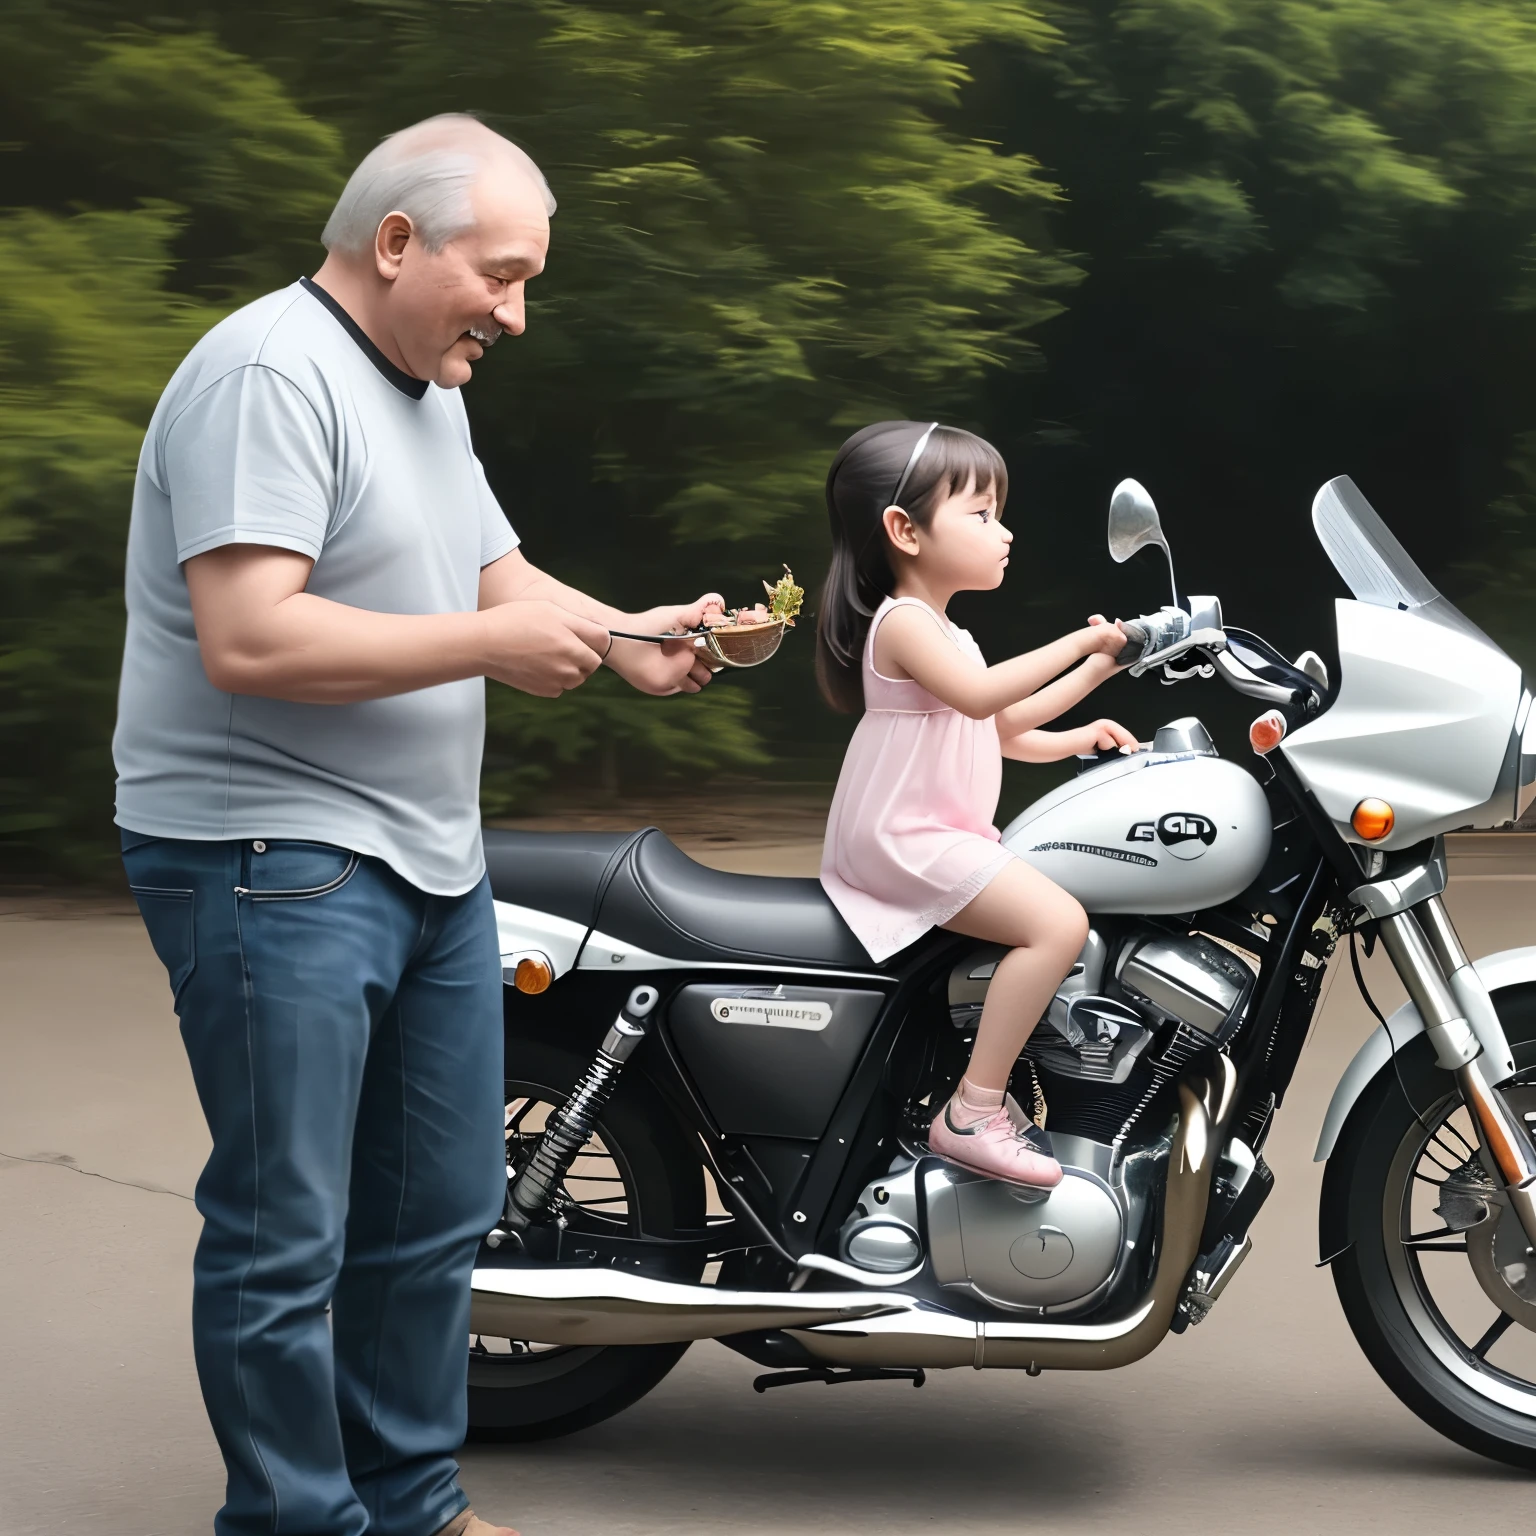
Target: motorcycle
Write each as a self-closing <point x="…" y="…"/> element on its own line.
<point x="716" y="1103"/>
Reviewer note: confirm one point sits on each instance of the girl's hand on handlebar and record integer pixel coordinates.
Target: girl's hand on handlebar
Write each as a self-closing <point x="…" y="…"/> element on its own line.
<point x="1104" y="638"/>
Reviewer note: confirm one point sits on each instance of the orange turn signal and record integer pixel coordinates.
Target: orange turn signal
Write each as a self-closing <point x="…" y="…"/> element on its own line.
<point x="1267" y="732"/>
<point x="533" y="974"/>
<point x="1373" y="819"/>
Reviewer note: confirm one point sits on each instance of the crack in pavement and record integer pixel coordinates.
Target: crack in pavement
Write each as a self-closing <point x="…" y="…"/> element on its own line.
<point x="69" y="1165"/>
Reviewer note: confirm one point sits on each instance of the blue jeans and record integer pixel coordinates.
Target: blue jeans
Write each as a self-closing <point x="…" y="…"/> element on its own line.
<point x="345" y="1035"/>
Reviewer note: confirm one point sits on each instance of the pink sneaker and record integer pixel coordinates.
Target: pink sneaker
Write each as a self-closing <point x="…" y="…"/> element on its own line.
<point x="994" y="1147"/>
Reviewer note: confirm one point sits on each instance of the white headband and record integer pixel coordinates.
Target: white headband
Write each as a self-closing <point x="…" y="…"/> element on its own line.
<point x="906" y="474"/>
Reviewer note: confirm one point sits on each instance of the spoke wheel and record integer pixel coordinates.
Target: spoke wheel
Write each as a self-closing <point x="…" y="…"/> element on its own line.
<point x="634" y="1175"/>
<point x="1472" y="1317"/>
<point x="1436" y="1277"/>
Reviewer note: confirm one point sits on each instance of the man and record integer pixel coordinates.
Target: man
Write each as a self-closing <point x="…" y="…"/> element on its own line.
<point x="318" y="579"/>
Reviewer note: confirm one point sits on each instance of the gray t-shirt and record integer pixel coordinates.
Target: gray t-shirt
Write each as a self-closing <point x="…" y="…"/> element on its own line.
<point x="285" y="426"/>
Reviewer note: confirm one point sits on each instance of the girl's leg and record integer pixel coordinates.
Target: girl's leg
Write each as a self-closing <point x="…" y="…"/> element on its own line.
<point x="1046" y="929"/>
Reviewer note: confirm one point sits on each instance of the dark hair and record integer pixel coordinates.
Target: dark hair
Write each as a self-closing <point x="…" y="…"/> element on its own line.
<point x="863" y="481"/>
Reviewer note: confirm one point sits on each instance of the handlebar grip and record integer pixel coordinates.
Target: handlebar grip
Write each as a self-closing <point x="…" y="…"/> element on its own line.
<point x="1137" y="642"/>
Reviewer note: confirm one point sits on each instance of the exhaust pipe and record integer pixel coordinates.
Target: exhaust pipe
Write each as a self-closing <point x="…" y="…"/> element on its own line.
<point x="866" y="1328"/>
<point x="614" y="1306"/>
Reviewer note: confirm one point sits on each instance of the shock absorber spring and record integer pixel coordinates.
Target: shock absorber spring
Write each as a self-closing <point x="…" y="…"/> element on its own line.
<point x="571" y="1126"/>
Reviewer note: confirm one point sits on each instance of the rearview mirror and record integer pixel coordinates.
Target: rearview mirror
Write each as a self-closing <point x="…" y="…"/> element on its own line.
<point x="1133" y="525"/>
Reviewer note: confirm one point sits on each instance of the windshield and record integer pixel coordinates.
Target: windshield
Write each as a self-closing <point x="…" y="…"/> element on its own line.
<point x="1375" y="567"/>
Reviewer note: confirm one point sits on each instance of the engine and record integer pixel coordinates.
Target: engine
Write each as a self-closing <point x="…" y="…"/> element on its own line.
<point x="1124" y="1024"/>
<point x="1133" y="1013"/>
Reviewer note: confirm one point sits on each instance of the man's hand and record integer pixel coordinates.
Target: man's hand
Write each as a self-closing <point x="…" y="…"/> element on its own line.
<point x="539" y="648"/>
<point x="676" y="667"/>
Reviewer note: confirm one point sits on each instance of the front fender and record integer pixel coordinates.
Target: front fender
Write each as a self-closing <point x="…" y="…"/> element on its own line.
<point x="1508" y="968"/>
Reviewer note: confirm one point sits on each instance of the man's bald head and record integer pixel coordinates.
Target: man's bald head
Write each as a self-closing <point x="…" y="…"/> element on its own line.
<point x="427" y="172"/>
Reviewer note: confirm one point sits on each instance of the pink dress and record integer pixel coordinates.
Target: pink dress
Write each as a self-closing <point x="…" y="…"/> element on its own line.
<point x="910" y="839"/>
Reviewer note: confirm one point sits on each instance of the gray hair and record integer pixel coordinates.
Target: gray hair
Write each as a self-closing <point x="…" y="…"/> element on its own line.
<point x="426" y="172"/>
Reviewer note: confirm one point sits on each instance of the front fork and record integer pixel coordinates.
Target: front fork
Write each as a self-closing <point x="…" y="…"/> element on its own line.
<point x="1468" y="1040"/>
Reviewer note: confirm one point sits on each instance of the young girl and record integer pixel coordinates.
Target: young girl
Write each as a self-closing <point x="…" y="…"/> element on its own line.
<point x="916" y="512"/>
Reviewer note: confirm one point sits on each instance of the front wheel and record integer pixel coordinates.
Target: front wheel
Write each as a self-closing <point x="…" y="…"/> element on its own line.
<point x="636" y="1169"/>
<point x="1438" y="1285"/>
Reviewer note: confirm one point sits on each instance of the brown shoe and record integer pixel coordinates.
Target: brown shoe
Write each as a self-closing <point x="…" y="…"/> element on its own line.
<point x="468" y="1523"/>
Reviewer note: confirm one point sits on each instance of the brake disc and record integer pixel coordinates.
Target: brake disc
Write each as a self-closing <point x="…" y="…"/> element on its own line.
<point x="1497" y="1248"/>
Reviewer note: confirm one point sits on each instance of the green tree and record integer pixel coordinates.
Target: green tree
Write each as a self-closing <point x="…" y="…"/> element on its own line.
<point x="1307" y="230"/>
<point x="207" y="179"/>
<point x="771" y="230"/>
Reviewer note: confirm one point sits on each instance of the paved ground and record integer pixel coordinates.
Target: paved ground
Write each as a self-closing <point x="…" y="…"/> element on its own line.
<point x="1266" y="1419"/>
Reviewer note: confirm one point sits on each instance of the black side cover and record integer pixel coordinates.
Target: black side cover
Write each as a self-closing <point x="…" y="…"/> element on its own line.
<point x="660" y="900"/>
<point x="770" y="1078"/>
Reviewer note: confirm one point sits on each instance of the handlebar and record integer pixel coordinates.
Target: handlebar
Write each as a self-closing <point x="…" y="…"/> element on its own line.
<point x="1150" y="634"/>
<point x="1261" y="672"/>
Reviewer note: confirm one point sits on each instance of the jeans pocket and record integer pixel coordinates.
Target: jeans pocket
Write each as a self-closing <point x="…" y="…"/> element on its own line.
<point x="287" y="870"/>
<point x="168" y="915"/>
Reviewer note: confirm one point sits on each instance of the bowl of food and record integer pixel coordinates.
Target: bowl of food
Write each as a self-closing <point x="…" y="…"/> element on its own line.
<point x="739" y="637"/>
<point x="747" y="637"/>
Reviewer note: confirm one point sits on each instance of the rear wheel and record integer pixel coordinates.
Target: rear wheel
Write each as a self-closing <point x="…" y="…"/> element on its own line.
<point x="636" y="1173"/>
<point x="1438" y="1285"/>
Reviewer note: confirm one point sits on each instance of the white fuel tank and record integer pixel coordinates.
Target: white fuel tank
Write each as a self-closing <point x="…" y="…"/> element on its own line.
<point x="1152" y="832"/>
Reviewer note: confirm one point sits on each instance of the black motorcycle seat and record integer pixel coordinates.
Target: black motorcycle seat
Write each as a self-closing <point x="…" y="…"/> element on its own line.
<point x="662" y="901"/>
<point x="641" y="888"/>
<point x="557" y="872"/>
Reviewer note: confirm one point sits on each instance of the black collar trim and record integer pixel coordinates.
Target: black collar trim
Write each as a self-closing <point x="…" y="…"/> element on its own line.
<point x="402" y="381"/>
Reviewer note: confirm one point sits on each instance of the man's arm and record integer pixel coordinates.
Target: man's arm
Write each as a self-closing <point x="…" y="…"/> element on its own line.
<point x="658" y="669"/>
<point x="261" y="633"/>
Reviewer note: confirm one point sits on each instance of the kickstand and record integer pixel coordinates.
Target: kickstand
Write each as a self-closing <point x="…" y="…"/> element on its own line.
<point x="830" y="1377"/>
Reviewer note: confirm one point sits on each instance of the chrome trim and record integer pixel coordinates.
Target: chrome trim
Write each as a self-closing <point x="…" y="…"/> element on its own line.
<point x="612" y="1306"/>
<point x="1186" y="734"/>
<point x="1386" y="898"/>
<point x="1441" y="933"/>
<point x="1225" y="1092"/>
<point x="820" y="1261"/>
<point x="1450" y="1034"/>
<point x="1467" y="988"/>
<point x="1203" y="1296"/>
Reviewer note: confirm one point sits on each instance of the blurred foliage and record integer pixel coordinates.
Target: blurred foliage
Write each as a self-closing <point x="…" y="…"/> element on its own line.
<point x="765" y="235"/>
<point x="1232" y="247"/>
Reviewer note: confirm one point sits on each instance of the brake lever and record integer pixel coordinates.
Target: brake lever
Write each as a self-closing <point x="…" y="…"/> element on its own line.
<point x="1202" y="669"/>
<point x="1200" y="639"/>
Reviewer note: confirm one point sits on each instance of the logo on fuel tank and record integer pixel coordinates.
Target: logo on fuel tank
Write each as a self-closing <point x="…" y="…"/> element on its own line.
<point x="1185" y="834"/>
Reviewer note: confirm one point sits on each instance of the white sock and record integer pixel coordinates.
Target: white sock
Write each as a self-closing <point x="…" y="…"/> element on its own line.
<point x="971" y="1104"/>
